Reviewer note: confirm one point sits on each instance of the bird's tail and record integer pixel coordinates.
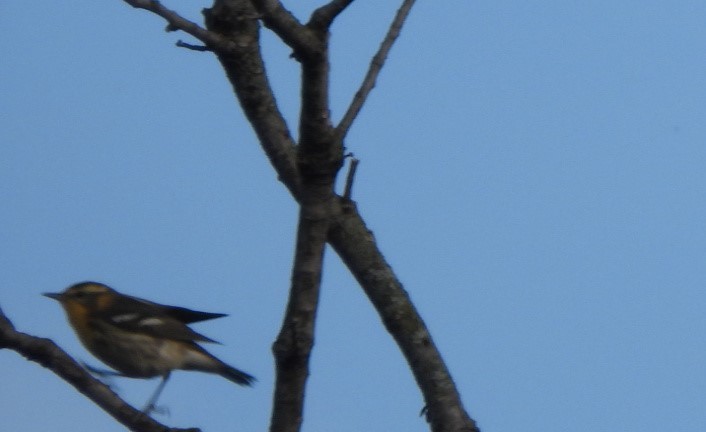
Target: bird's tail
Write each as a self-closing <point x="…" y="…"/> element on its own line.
<point x="237" y="376"/>
<point x="201" y="360"/>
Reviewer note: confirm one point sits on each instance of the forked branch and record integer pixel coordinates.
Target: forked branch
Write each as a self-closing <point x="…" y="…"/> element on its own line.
<point x="323" y="17"/>
<point x="287" y="27"/>
<point x="347" y="232"/>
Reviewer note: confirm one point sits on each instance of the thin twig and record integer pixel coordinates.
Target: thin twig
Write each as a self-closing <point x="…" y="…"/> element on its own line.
<point x="177" y="22"/>
<point x="376" y="65"/>
<point x="182" y="44"/>
<point x="349" y="179"/>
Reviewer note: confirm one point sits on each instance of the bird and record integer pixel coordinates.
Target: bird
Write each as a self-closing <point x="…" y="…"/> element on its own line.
<point x="139" y="338"/>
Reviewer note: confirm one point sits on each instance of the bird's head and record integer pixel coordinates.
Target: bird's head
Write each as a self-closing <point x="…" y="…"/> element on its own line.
<point x="90" y="295"/>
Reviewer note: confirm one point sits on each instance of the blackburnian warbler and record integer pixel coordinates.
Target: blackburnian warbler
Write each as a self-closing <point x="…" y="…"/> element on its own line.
<point x="139" y="338"/>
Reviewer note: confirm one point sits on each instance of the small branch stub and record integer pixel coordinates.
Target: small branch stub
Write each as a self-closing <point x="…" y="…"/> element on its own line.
<point x="202" y="48"/>
<point x="351" y="176"/>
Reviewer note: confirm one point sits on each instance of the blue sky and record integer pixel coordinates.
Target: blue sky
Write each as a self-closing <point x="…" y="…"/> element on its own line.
<point x="535" y="173"/>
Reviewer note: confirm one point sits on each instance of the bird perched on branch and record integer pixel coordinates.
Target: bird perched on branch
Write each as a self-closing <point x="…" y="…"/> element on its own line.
<point x="139" y="338"/>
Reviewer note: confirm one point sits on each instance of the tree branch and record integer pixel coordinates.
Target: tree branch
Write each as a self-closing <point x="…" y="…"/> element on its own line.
<point x="233" y="20"/>
<point x="177" y="22"/>
<point x="318" y="160"/>
<point x="246" y="71"/>
<point x="320" y="155"/>
<point x="354" y="243"/>
<point x="201" y="48"/>
<point x="323" y="17"/>
<point x="292" y="349"/>
<point x="287" y="27"/>
<point x="348" y="190"/>
<point x="48" y="354"/>
<point x="376" y="65"/>
<point x="356" y="246"/>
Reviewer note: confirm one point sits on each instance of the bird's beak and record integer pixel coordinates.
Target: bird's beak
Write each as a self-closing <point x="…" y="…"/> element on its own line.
<point x="55" y="296"/>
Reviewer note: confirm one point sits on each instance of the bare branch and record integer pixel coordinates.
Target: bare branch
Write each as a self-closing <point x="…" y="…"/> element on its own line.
<point x="356" y="246"/>
<point x="348" y="235"/>
<point x="348" y="191"/>
<point x="247" y="74"/>
<point x="347" y="232"/>
<point x="287" y="27"/>
<point x="177" y="22"/>
<point x="376" y="65"/>
<point x="292" y="348"/>
<point x="323" y="17"/>
<point x="201" y="48"/>
<point x="318" y="162"/>
<point x="48" y="354"/>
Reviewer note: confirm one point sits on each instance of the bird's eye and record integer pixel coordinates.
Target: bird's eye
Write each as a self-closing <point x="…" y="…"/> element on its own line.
<point x="79" y="294"/>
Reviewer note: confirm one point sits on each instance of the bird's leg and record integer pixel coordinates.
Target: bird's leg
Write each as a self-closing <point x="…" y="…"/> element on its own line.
<point x="101" y="372"/>
<point x="149" y="407"/>
<point x="104" y="375"/>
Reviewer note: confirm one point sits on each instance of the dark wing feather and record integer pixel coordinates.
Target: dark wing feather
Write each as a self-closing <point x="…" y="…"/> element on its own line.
<point x="182" y="314"/>
<point x="187" y="316"/>
<point x="190" y="316"/>
<point x="133" y="314"/>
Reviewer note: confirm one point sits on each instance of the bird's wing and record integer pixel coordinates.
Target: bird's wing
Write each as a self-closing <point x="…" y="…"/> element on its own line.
<point x="182" y="314"/>
<point x="138" y="316"/>
<point x="190" y="316"/>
